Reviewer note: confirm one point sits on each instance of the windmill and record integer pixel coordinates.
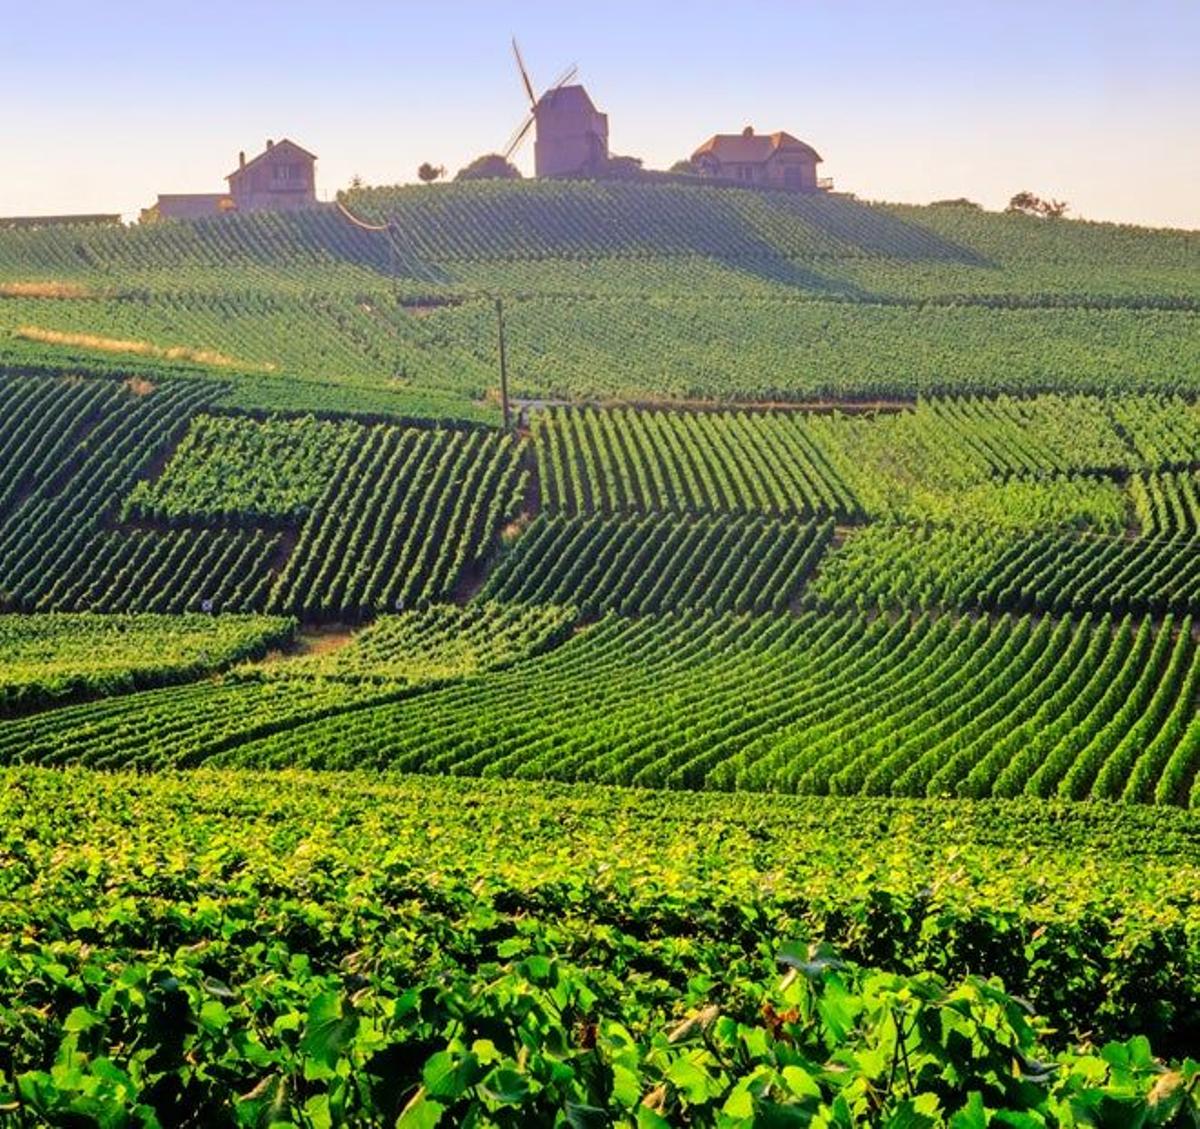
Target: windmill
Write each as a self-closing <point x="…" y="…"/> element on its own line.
<point x="571" y="135"/>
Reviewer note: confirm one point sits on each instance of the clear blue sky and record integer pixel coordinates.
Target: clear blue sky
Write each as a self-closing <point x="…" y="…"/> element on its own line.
<point x="105" y="104"/>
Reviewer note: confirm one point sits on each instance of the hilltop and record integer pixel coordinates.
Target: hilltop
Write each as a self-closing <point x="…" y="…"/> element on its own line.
<point x="612" y="291"/>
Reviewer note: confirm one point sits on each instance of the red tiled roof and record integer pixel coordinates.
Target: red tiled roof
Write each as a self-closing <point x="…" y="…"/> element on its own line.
<point x="752" y="149"/>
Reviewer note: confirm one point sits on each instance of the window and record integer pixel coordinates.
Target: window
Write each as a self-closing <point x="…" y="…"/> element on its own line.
<point x="287" y="173"/>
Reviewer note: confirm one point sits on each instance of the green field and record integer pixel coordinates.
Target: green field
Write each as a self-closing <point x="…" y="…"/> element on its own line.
<point x="314" y="947"/>
<point x="625" y="291"/>
<point x="794" y="719"/>
<point x="51" y="659"/>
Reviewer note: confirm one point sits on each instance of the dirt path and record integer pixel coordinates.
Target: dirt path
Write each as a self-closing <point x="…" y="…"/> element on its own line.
<point x="850" y="407"/>
<point x="313" y="640"/>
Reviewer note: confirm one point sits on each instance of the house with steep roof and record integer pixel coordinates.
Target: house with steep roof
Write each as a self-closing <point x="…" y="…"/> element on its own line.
<point x="773" y="160"/>
<point x="282" y="178"/>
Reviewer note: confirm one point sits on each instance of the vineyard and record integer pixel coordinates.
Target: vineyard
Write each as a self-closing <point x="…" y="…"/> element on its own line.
<point x="1093" y="707"/>
<point x="342" y="950"/>
<point x="637" y="291"/>
<point x="298" y="515"/>
<point x="792" y="718"/>
<point x="442" y="643"/>
<point x="615" y="462"/>
<point x="52" y="659"/>
<point x="642" y="566"/>
<point x="896" y="565"/>
<point x="404" y="513"/>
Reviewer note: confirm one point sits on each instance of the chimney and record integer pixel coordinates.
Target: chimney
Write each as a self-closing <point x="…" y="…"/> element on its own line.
<point x="270" y="143"/>
<point x="242" y="159"/>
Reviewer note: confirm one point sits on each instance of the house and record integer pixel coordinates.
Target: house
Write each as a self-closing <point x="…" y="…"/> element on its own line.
<point x="282" y="178"/>
<point x="772" y="160"/>
<point x="572" y="135"/>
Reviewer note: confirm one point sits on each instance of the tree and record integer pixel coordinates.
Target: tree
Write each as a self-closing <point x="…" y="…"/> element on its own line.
<point x="1030" y="205"/>
<point x="957" y="202"/>
<point x="356" y="181"/>
<point x="428" y="173"/>
<point x="684" y="166"/>
<point x="622" y="168"/>
<point x="491" y="166"/>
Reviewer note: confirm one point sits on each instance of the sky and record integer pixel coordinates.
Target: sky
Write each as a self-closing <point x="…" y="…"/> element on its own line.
<point x="105" y="103"/>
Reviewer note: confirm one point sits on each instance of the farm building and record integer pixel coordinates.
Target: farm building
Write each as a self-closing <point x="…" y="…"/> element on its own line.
<point x="773" y="160"/>
<point x="282" y="178"/>
<point x="91" y="219"/>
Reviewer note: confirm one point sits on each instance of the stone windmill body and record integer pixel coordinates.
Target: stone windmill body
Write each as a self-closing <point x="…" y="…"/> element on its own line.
<point x="570" y="134"/>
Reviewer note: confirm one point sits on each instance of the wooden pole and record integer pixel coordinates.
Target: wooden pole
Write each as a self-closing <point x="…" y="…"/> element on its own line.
<point x="503" y="365"/>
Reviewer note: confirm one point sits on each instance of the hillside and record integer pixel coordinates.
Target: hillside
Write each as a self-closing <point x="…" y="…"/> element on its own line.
<point x="818" y="652"/>
<point x="626" y="291"/>
<point x="972" y="596"/>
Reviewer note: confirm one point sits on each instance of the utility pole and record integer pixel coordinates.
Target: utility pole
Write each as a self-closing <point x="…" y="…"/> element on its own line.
<point x="503" y="365"/>
<point x="394" y="262"/>
<point x="391" y="230"/>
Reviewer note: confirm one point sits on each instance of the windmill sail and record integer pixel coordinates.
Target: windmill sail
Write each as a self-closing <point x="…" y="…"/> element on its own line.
<point x="519" y="135"/>
<point x="525" y="79"/>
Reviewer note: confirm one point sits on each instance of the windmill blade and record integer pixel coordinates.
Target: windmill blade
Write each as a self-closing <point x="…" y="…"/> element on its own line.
<point x="565" y="77"/>
<point x="524" y="74"/>
<point x="514" y="142"/>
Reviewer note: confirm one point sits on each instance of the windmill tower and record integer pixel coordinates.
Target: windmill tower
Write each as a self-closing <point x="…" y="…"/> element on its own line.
<point x="571" y="134"/>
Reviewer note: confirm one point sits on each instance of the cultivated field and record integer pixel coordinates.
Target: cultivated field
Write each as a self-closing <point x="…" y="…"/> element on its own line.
<point x="833" y="599"/>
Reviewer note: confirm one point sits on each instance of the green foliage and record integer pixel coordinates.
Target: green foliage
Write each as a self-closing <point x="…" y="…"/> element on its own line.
<point x="1018" y="463"/>
<point x="491" y="166"/>
<point x="1166" y="505"/>
<point x="562" y="219"/>
<point x="237" y="950"/>
<point x="1031" y="205"/>
<point x="625" y="461"/>
<point x="907" y="566"/>
<point x="816" y="704"/>
<point x="1023" y="464"/>
<point x="231" y="949"/>
<point x="404" y="515"/>
<point x="323" y="518"/>
<point x="676" y="345"/>
<point x="239" y="469"/>
<point x="73" y="467"/>
<point x="393" y="658"/>
<point x="50" y="659"/>
<point x="655" y="564"/>
<point x="441" y="643"/>
<point x="636" y="289"/>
